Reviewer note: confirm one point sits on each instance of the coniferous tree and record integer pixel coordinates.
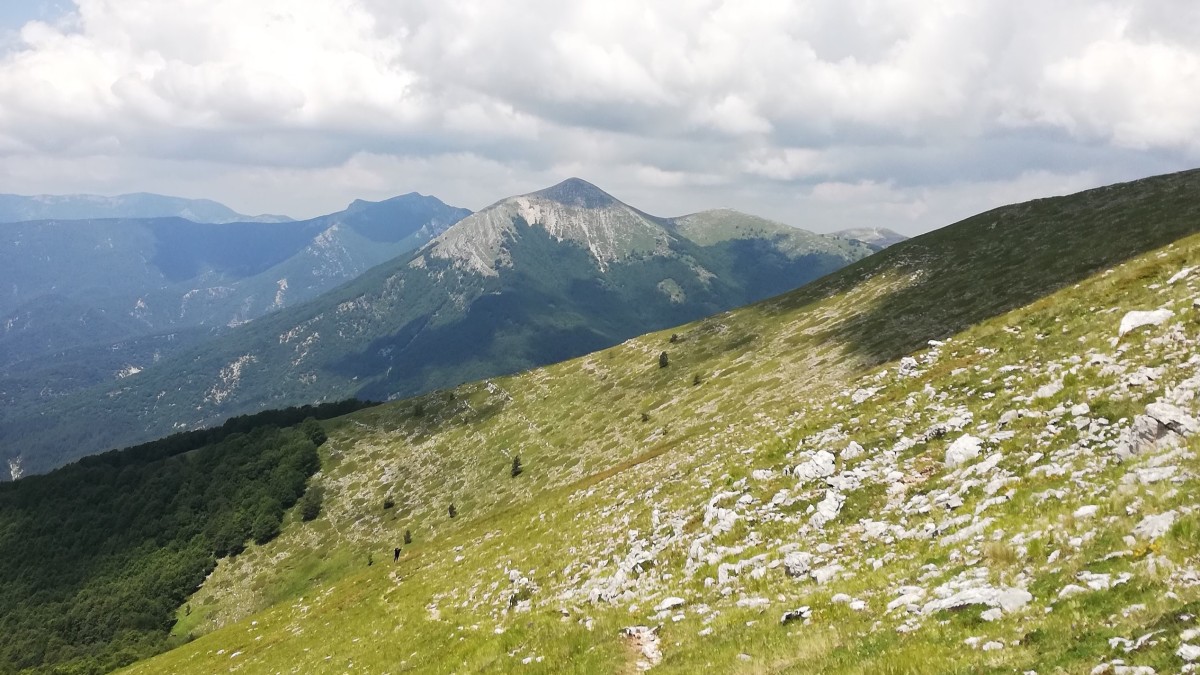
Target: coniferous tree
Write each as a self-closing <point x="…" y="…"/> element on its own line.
<point x="407" y="537"/>
<point x="663" y="360"/>
<point x="453" y="511"/>
<point x="516" y="466"/>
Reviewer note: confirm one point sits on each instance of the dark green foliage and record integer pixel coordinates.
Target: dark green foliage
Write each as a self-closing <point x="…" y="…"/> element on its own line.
<point x="315" y="432"/>
<point x="645" y="417"/>
<point x="674" y="338"/>
<point x="516" y="466"/>
<point x="407" y="537"/>
<point x="265" y="528"/>
<point x="187" y="441"/>
<point x="453" y="511"/>
<point x="663" y="360"/>
<point x="96" y="557"/>
<point x="696" y="379"/>
<point x="388" y="503"/>
<point x="310" y="503"/>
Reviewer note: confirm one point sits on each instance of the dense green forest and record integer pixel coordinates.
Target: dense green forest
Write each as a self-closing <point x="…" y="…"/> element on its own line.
<point x="96" y="557"/>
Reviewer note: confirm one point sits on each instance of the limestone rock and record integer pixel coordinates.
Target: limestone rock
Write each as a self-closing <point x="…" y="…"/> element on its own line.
<point x="1137" y="319"/>
<point x="963" y="450"/>
<point x="1153" y="527"/>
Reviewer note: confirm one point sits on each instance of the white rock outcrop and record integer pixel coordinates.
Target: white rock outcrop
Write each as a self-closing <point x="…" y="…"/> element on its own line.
<point x="1136" y="319"/>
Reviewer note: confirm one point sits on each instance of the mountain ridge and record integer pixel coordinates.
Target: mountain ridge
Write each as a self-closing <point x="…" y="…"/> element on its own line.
<point x="23" y="208"/>
<point x="524" y="282"/>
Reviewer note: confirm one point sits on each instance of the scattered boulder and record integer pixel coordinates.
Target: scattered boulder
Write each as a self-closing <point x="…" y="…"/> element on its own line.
<point x="1007" y="599"/>
<point x="852" y="451"/>
<point x="1153" y="527"/>
<point x="798" y="614"/>
<point x="1048" y="390"/>
<point x="1162" y="425"/>
<point x="1136" y="319"/>
<point x="1180" y="275"/>
<point x="963" y="450"/>
<point x="797" y="564"/>
<point x="827" y="509"/>
<point x="821" y="464"/>
<point x="669" y="604"/>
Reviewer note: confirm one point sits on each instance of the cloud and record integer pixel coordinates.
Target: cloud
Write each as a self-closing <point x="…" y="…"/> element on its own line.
<point x="773" y="106"/>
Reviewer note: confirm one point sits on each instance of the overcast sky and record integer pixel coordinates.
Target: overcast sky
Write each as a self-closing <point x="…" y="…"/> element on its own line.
<point x="824" y="114"/>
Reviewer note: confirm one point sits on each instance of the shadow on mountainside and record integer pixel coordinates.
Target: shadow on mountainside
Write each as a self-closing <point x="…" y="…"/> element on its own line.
<point x="1002" y="259"/>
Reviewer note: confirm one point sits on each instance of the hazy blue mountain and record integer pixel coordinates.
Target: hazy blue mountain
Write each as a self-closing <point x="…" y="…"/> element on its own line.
<point x="18" y="208"/>
<point x="71" y="290"/>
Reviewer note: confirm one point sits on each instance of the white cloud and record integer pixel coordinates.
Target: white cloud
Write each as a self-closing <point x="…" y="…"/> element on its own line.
<point x="773" y="106"/>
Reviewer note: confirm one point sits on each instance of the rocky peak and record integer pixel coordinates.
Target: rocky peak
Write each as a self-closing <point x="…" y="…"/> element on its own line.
<point x="578" y="193"/>
<point x="573" y="210"/>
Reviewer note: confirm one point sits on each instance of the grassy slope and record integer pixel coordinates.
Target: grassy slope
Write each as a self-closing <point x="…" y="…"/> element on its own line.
<point x="600" y="479"/>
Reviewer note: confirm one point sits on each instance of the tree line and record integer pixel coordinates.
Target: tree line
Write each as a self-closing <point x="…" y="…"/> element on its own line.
<point x="97" y="556"/>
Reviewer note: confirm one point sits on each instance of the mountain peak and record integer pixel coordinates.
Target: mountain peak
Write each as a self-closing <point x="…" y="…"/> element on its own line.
<point x="577" y="192"/>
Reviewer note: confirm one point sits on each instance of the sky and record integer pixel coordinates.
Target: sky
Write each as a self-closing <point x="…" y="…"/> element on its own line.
<point x="823" y="114"/>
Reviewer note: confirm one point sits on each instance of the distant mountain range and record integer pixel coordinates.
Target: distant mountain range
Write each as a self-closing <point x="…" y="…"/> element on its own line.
<point x="18" y="208"/>
<point x="878" y="237"/>
<point x="90" y="301"/>
<point x="530" y="280"/>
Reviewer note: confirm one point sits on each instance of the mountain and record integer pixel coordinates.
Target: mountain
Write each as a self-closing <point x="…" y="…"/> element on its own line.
<point x="877" y="237"/>
<point x="530" y="280"/>
<point x="957" y="455"/>
<point x="91" y="301"/>
<point x="19" y="208"/>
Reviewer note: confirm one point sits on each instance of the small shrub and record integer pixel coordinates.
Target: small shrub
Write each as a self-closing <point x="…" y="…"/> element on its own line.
<point x="453" y="511"/>
<point x="645" y="417"/>
<point x="388" y="503"/>
<point x="674" y="338"/>
<point x="407" y="537"/>
<point x="310" y="503"/>
<point x="696" y="379"/>
<point x="1000" y="554"/>
<point x="516" y="466"/>
<point x="663" y="360"/>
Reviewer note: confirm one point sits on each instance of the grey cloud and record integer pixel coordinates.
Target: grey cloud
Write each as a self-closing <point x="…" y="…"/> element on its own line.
<point x="826" y="113"/>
